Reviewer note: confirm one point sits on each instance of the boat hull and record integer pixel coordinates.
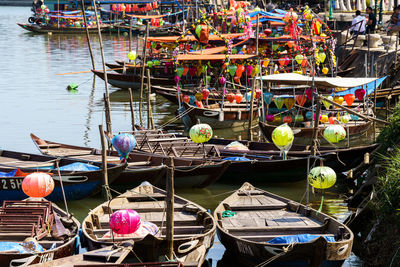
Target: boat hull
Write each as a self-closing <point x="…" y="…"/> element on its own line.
<point x="50" y="29"/>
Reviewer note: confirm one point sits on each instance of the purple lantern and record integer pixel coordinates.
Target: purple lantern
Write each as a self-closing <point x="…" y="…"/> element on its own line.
<point x="124" y="143"/>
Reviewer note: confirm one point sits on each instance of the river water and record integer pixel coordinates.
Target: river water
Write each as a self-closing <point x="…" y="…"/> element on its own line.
<point x="33" y="98"/>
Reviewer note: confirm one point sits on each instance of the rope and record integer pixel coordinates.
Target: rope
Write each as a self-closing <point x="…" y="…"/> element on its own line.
<point x="285" y="250"/>
<point x="177" y="117"/>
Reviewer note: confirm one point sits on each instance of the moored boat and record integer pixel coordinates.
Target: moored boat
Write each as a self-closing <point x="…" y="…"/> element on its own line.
<point x="194" y="227"/>
<point x="258" y="227"/>
<point x="53" y="29"/>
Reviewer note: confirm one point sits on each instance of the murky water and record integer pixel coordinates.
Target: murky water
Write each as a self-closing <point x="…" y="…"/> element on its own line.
<point x="33" y="98"/>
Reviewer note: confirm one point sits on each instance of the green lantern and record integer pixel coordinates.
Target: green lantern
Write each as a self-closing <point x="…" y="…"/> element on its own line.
<point x="200" y="133"/>
<point x="198" y="30"/>
<point x="334" y="133"/>
<point x="179" y="71"/>
<point x="149" y="63"/>
<point x="232" y="70"/>
<point x="279" y="101"/>
<point x="132" y="55"/>
<point x="326" y="103"/>
<point x="322" y="177"/>
<point x="156" y="62"/>
<point x="283" y="136"/>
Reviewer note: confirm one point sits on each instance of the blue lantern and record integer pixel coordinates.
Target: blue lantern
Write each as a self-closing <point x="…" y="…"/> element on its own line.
<point x="309" y="115"/>
<point x="124" y="143"/>
<point x="268" y="98"/>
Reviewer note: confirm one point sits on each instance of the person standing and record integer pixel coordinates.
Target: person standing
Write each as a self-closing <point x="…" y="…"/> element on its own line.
<point x="358" y="24"/>
<point x="371" y="24"/>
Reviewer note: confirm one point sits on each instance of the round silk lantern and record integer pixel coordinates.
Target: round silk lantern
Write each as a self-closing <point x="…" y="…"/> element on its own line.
<point x="269" y="117"/>
<point x="324" y="118"/>
<point x="349" y="98"/>
<point x="232" y="70"/>
<point x="199" y="96"/>
<point x="287" y="119"/>
<point x="301" y="100"/>
<point x="222" y="80"/>
<point x="124" y="143"/>
<point x="283" y="136"/>
<point x="249" y="69"/>
<point x="238" y="98"/>
<point x="334" y="133"/>
<point x="268" y="97"/>
<point x="205" y="92"/>
<point x="230" y="97"/>
<point x="332" y="120"/>
<point x="289" y="102"/>
<point x="309" y="94"/>
<point x="322" y="177"/>
<point x="299" y="58"/>
<point x="149" y="63"/>
<point x="156" y="62"/>
<point x="186" y="98"/>
<point x="360" y="93"/>
<point x="177" y="79"/>
<point x="277" y="118"/>
<point x="132" y="55"/>
<point x="38" y="184"/>
<point x="325" y="70"/>
<point x="124" y="222"/>
<point x="239" y="70"/>
<point x="279" y="102"/>
<point x="309" y="115"/>
<point x="326" y="103"/>
<point x="338" y="99"/>
<point x="345" y="119"/>
<point x="200" y="133"/>
<point x="322" y="57"/>
<point x="299" y="118"/>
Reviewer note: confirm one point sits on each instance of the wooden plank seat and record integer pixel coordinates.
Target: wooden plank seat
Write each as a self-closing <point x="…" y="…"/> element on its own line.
<point x="188" y="229"/>
<point x="116" y="239"/>
<point x="265" y="238"/>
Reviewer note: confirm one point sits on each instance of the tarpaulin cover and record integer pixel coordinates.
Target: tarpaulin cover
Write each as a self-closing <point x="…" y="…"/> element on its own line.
<point x="79" y="166"/>
<point x="301" y="238"/>
<point x="370" y="87"/>
<point x="237" y="159"/>
<point x="8" y="174"/>
<point x="15" y="247"/>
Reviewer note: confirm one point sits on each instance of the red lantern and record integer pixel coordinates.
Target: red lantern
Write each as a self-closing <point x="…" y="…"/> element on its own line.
<point x="236" y="79"/>
<point x="301" y="100"/>
<point x="239" y="70"/>
<point x="148" y="7"/>
<point x="230" y="97"/>
<point x="185" y="70"/>
<point x="205" y="92"/>
<point x="119" y="7"/>
<point x="349" y="98"/>
<point x="258" y="93"/>
<point x="155" y="5"/>
<point x="287" y="119"/>
<point x="128" y="8"/>
<point x="309" y="94"/>
<point x="332" y="120"/>
<point x="204" y="33"/>
<point x="238" y="97"/>
<point x="114" y="7"/>
<point x="38" y="184"/>
<point x="135" y="8"/>
<point x="268" y="32"/>
<point x="199" y="104"/>
<point x="186" y="98"/>
<point x="290" y="44"/>
<point x="360" y="93"/>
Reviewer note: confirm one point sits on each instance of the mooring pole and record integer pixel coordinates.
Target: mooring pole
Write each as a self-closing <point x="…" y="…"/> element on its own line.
<point x="104" y="162"/>
<point x="132" y="110"/>
<point x="170" y="210"/>
<point x="150" y="121"/>
<point x="107" y="104"/>
<point x="87" y="34"/>
<point x="143" y="74"/>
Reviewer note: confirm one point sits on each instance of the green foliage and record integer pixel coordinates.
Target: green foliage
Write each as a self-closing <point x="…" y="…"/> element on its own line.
<point x="390" y="134"/>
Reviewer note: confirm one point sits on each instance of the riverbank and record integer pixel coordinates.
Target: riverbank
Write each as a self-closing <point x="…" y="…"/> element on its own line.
<point x="15" y="2"/>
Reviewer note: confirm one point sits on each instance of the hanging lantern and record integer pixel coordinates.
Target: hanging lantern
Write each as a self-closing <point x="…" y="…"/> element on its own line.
<point x="324" y="118"/>
<point x="268" y="98"/>
<point x="275" y="47"/>
<point x="325" y="70"/>
<point x="299" y="58"/>
<point x="177" y="79"/>
<point x="149" y="63"/>
<point x="332" y="120"/>
<point x="338" y="99"/>
<point x="279" y="102"/>
<point x="185" y="70"/>
<point x="283" y="136"/>
<point x="186" y="98"/>
<point x="198" y="30"/>
<point x="289" y="102"/>
<point x="309" y="115"/>
<point x="290" y="44"/>
<point x="326" y="103"/>
<point x="205" y="92"/>
<point x="179" y="71"/>
<point x="266" y="63"/>
<point x="192" y="71"/>
<point x="258" y="93"/>
<point x="199" y="96"/>
<point x="334" y="133"/>
<point x="269" y="117"/>
<point x="299" y="118"/>
<point x="238" y="98"/>
<point x="156" y="62"/>
<point x="232" y="70"/>
<point x="249" y="69"/>
<point x="322" y="57"/>
<point x="200" y="133"/>
<point x="247" y="96"/>
<point x="309" y="94"/>
<point x="349" y="98"/>
<point x="124" y="143"/>
<point x="345" y="119"/>
<point x="38" y="184"/>
<point x="124" y="222"/>
<point x="360" y="93"/>
<point x="239" y="70"/>
<point x="322" y="177"/>
<point x="199" y="104"/>
<point x="354" y="117"/>
<point x="222" y="80"/>
<point x="282" y="61"/>
<point x="301" y="100"/>
<point x="132" y="55"/>
<point x="268" y="32"/>
<point x="287" y="119"/>
<point x="230" y="97"/>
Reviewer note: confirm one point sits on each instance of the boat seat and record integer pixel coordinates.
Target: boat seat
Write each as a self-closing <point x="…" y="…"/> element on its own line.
<point x="182" y="229"/>
<point x="264" y="238"/>
<point x="138" y="163"/>
<point x="264" y="207"/>
<point x="163" y="236"/>
<point x="272" y="229"/>
<point x="49" y="146"/>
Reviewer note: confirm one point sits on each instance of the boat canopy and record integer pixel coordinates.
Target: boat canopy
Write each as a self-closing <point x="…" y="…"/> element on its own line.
<point x="215" y="50"/>
<point x="319" y="82"/>
<point x="191" y="38"/>
<point x="214" y="57"/>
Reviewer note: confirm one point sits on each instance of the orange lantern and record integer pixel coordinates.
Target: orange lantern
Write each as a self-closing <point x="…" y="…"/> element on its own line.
<point x="332" y="120"/>
<point x="38" y="184"/>
<point x="186" y="98"/>
<point x="238" y="97"/>
<point x="304" y="63"/>
<point x="155" y="5"/>
<point x="239" y="70"/>
<point x="199" y="104"/>
<point x="204" y="33"/>
<point x="301" y="100"/>
<point x="287" y="119"/>
<point x="185" y="70"/>
<point x="349" y="98"/>
<point x="338" y="99"/>
<point x="290" y="44"/>
<point x="230" y="97"/>
<point x="114" y="7"/>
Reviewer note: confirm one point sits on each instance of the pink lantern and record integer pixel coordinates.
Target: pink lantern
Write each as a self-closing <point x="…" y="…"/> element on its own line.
<point x="177" y="79"/>
<point x="360" y="93"/>
<point x="192" y="71"/>
<point x="124" y="222"/>
<point x="249" y="69"/>
<point x="269" y="117"/>
<point x="222" y="80"/>
<point x="205" y="93"/>
<point x="309" y="94"/>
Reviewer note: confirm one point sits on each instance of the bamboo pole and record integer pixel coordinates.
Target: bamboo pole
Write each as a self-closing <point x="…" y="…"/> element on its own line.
<point x="107" y="95"/>
<point x="104" y="162"/>
<point x="353" y="112"/>
<point x="150" y="121"/>
<point x="250" y="136"/>
<point x="87" y="34"/>
<point x="132" y="110"/>
<point x="143" y="69"/>
<point x="170" y="210"/>
<point x="130" y="35"/>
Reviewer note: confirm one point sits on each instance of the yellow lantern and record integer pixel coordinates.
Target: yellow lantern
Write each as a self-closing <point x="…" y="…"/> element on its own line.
<point x="322" y="177"/>
<point x="283" y="137"/>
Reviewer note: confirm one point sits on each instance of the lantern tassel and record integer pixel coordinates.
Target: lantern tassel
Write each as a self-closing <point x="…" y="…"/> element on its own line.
<point x="320" y="206"/>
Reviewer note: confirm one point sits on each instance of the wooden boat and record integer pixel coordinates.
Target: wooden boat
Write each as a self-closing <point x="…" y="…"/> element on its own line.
<point x="117" y="256"/>
<point x="194" y="227"/>
<point x="62" y="30"/>
<point x="260" y="216"/>
<point x="304" y="134"/>
<point x="143" y="166"/>
<point x="230" y="116"/>
<point x="77" y="184"/>
<point x="37" y="223"/>
<point x="126" y="81"/>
